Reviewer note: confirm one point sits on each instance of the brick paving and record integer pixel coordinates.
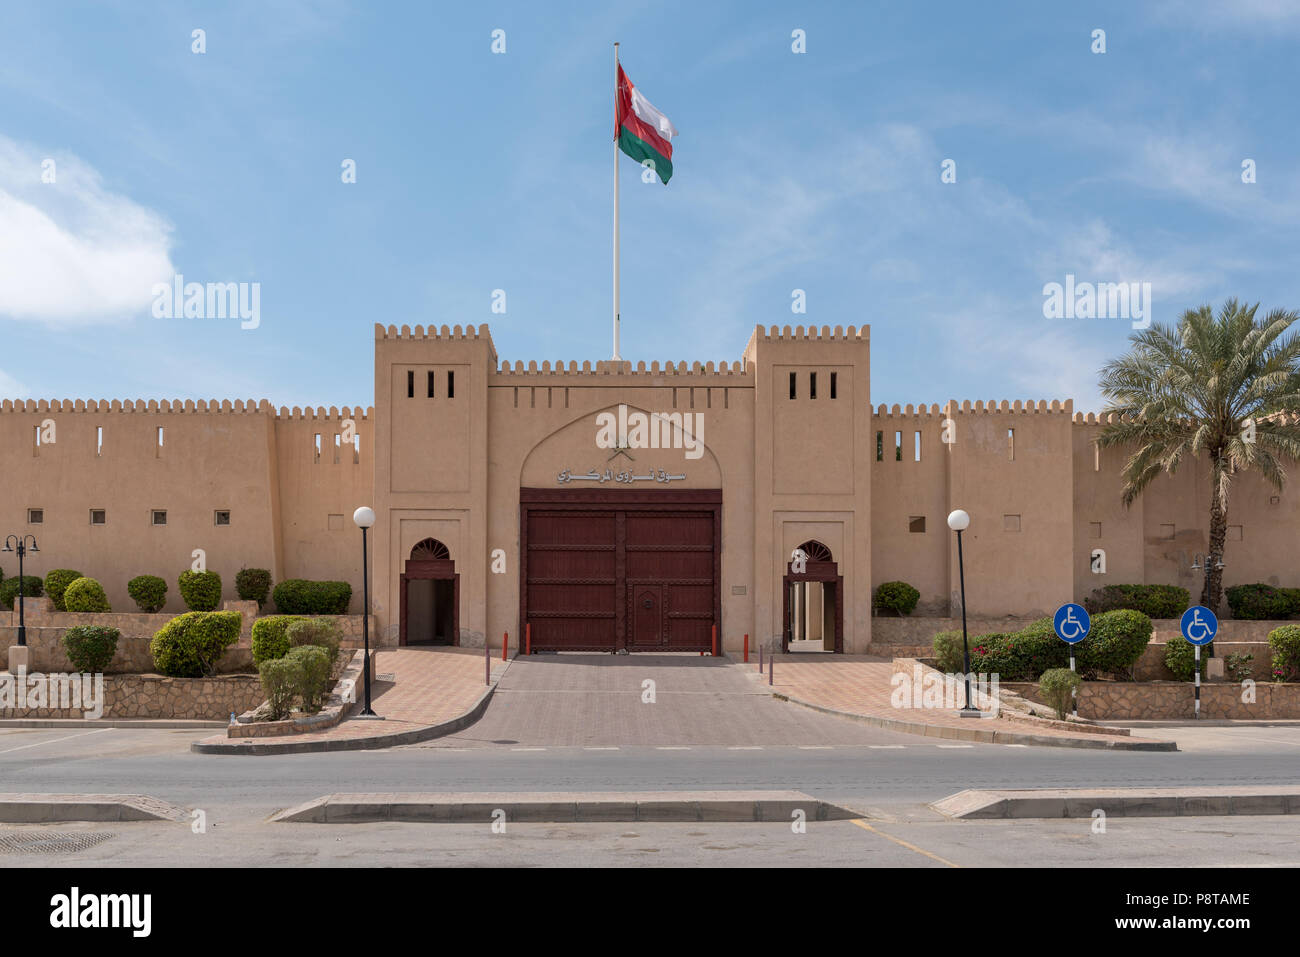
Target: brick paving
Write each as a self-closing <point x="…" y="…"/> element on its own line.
<point x="860" y="685"/>
<point x="431" y="685"/>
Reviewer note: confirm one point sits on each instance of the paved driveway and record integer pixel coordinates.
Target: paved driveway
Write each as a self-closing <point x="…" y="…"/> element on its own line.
<point x="604" y="701"/>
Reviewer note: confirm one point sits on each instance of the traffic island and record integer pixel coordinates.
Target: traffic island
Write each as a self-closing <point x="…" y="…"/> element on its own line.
<point x="64" y="808"/>
<point x="567" y="808"/>
<point x="1120" y="802"/>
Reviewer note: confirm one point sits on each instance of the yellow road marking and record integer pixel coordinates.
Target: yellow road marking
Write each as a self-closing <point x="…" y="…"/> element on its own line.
<point x="902" y="843"/>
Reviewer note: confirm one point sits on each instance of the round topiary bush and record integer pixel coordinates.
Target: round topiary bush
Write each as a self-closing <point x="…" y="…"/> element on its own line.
<point x="1285" y="643"/>
<point x="1114" y="644"/>
<point x="1057" y="686"/>
<point x="56" y="582"/>
<point x="271" y="638"/>
<point x="85" y="595"/>
<point x="149" y="592"/>
<point x="898" y="597"/>
<point x="298" y="596"/>
<point x="201" y="591"/>
<point x="32" y="587"/>
<point x="1180" y="657"/>
<point x="191" y="645"/>
<point x="90" y="648"/>
<point x="253" y="584"/>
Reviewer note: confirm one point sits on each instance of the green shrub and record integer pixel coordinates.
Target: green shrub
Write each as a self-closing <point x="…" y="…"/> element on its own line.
<point x="1180" y="657"/>
<point x="321" y="632"/>
<point x="298" y="596"/>
<point x="1019" y="656"/>
<point x="149" y="592"/>
<point x="90" y="648"/>
<point x="85" y="595"/>
<point x="55" y="583"/>
<point x="253" y="584"/>
<point x="1257" y="602"/>
<point x="313" y="675"/>
<point x="1057" y="686"/>
<point x="1292" y="596"/>
<point x="1154" y="601"/>
<point x="191" y="645"/>
<point x="1238" y="667"/>
<point x="947" y="652"/>
<point x="281" y="679"/>
<point x="32" y="587"/>
<point x="1114" y="644"/>
<point x="1285" y="643"/>
<point x="897" y="597"/>
<point x="201" y="591"/>
<point x="270" y="637"/>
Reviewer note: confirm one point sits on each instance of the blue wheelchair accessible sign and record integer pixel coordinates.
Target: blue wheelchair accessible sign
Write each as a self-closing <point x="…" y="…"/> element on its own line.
<point x="1199" y="625"/>
<point x="1072" y="623"/>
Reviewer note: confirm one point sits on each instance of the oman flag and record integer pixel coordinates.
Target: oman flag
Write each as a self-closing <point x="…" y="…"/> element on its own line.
<point x="643" y="132"/>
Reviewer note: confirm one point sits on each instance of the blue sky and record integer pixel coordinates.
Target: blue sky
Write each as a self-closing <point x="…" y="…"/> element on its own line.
<point x="478" y="171"/>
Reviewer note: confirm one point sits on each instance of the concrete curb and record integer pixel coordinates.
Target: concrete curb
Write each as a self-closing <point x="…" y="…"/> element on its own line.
<point x="565" y="807"/>
<point x="1120" y="802"/>
<point x="257" y="746"/>
<point x="157" y="723"/>
<point x="64" y="808"/>
<point x="985" y="735"/>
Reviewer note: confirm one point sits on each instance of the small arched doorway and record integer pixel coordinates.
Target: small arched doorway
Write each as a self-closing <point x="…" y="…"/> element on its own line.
<point x="430" y="596"/>
<point x="813" y="603"/>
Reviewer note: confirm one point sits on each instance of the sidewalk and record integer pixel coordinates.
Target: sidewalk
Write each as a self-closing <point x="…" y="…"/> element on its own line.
<point x="859" y="687"/>
<point x="435" y="691"/>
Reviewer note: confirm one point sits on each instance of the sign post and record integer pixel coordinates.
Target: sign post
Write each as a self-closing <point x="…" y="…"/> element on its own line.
<point x="1199" y="626"/>
<point x="1072" y="623"/>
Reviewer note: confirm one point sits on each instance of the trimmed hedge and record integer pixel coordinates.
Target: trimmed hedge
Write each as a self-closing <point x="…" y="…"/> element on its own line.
<point x="1057" y="687"/>
<point x="149" y="592"/>
<point x="32" y="588"/>
<point x="270" y="637"/>
<point x="90" y="648"/>
<point x="1259" y="601"/>
<point x="56" y="582"/>
<point x="314" y="668"/>
<point x="1154" y="601"/>
<point x="1180" y="657"/>
<point x="85" y="595"/>
<point x="898" y="597"/>
<point x="253" y="584"/>
<point x="1285" y="642"/>
<point x="1114" y="644"/>
<point x="201" y="591"/>
<point x="321" y="632"/>
<point x="280" y="680"/>
<point x="299" y="596"/>
<point x="191" y="645"/>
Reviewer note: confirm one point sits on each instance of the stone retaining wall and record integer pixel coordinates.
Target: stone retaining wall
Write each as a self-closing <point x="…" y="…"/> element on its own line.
<point x="148" y="696"/>
<point x="1173" y="700"/>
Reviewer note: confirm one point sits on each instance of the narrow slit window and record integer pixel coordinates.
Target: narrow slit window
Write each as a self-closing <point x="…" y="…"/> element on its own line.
<point x="316" y="447"/>
<point x="38" y="439"/>
<point x="916" y="447"/>
<point x="1011" y="444"/>
<point x="431" y="377"/>
<point x="898" y="446"/>
<point x="1096" y="456"/>
<point x="99" y="440"/>
<point x="793" y="386"/>
<point x="160" y="439"/>
<point x="812" y="385"/>
<point x="451" y="385"/>
<point x="338" y="448"/>
<point x="410" y="383"/>
<point x="356" y="449"/>
<point x="880" y="446"/>
<point x="834" y="375"/>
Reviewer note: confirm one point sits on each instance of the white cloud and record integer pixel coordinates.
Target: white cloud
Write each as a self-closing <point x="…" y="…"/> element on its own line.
<point x="11" y="388"/>
<point x="71" y="250"/>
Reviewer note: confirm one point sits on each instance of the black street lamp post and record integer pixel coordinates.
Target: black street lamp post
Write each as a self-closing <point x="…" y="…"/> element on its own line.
<point x="19" y="543"/>
<point x="959" y="521"/>
<point x="364" y="517"/>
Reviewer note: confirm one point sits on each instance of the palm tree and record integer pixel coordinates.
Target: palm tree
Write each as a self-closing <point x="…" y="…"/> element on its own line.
<point x="1226" y="389"/>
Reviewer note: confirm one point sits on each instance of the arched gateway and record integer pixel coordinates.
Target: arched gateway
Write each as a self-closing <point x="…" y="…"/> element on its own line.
<point x="430" y="596"/>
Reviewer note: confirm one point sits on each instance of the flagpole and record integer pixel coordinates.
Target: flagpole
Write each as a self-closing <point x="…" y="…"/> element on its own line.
<point x="616" y="96"/>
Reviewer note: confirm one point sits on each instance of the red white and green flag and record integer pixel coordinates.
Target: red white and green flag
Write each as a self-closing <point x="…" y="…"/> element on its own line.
<point x="643" y="133"/>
